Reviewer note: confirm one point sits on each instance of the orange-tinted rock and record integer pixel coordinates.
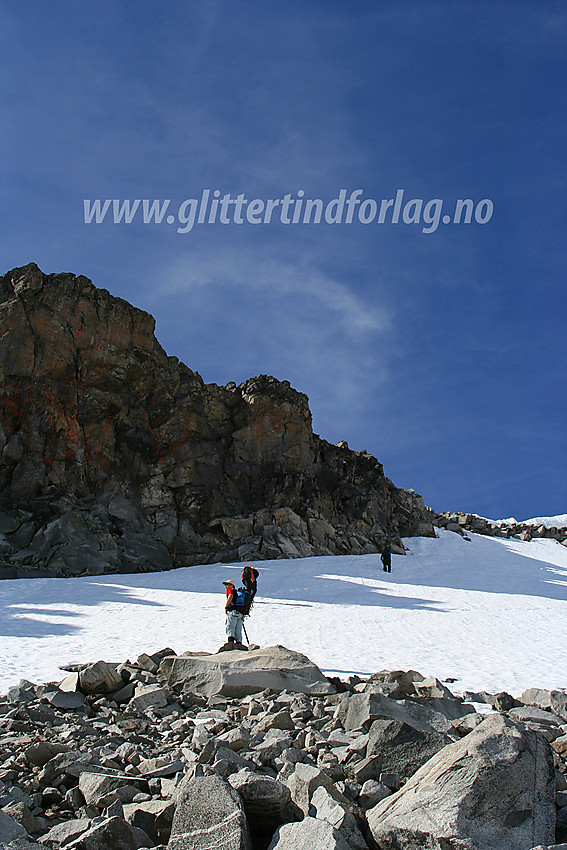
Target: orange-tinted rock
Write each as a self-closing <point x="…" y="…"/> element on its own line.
<point x="91" y="407"/>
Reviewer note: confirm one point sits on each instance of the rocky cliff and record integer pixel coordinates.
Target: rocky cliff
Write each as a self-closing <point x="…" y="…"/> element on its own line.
<point x="116" y="457"/>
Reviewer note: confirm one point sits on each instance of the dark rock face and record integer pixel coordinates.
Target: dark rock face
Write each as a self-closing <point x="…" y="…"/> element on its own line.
<point x="115" y="457"/>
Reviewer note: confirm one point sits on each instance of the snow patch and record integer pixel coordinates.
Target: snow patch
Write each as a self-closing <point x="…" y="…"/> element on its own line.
<point x="491" y="613"/>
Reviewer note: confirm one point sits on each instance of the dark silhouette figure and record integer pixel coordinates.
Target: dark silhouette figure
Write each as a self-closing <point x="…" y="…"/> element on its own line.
<point x="386" y="558"/>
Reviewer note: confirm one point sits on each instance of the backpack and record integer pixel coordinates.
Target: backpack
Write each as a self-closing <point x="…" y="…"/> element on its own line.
<point x="249" y="579"/>
<point x="242" y="601"/>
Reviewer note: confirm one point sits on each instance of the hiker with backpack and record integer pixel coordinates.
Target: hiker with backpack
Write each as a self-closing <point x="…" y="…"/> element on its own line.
<point x="237" y="606"/>
<point x="250" y="580"/>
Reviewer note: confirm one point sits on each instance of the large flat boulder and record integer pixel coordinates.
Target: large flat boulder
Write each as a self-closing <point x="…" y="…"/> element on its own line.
<point x="237" y="674"/>
<point x="493" y="789"/>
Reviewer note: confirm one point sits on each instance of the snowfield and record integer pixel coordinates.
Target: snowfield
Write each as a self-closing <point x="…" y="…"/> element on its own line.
<point x="558" y="521"/>
<point x="490" y="613"/>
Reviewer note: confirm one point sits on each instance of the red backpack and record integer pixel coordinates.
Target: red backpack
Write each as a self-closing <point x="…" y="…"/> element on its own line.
<point x="250" y="579"/>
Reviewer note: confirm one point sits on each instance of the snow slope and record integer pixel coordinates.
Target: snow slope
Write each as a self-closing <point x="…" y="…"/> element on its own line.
<point x="491" y="613"/>
<point x="557" y="521"/>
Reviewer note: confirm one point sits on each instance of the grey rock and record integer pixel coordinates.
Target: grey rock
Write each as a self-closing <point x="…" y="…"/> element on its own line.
<point x="101" y="790"/>
<point x="559" y="703"/>
<point x="432" y="688"/>
<point x="20" y="693"/>
<point x="70" y="764"/>
<point x="112" y="833"/>
<point x="236" y="674"/>
<point x="279" y="720"/>
<point x="13" y="449"/>
<point x="22" y="843"/>
<point x="235" y="739"/>
<point x="66" y="700"/>
<point x="327" y="808"/>
<point x="371" y="793"/>
<point x="116" y="809"/>
<point x="16" y="795"/>
<point x="100" y="678"/>
<point x="403" y="748"/>
<point x="451" y="708"/>
<point x="267" y="803"/>
<point x="503" y="701"/>
<point x="160" y="766"/>
<point x="148" y="696"/>
<point x="363" y="769"/>
<point x="310" y="834"/>
<point x="494" y="788"/>
<point x="304" y="780"/>
<point x="10" y="829"/>
<point x="479" y="697"/>
<point x="364" y="708"/>
<point x="50" y="796"/>
<point x="561" y="825"/>
<point x="271" y="747"/>
<point x="393" y="781"/>
<point x="537" y="696"/>
<point x="528" y="713"/>
<point x="338" y="738"/>
<point x="70" y="683"/>
<point x="124" y="694"/>
<point x="209" y="814"/>
<point x="398" y="683"/>
<point x="8" y="524"/>
<point x="466" y="724"/>
<point x="65" y="832"/>
<point x="21" y="813"/>
<point x="228" y="762"/>
<point x="155" y="817"/>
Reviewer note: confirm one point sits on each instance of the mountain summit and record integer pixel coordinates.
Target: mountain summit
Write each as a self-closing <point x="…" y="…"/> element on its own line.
<point x="118" y="458"/>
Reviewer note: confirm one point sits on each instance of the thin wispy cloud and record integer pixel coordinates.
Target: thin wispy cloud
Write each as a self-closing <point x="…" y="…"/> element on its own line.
<point x="292" y="280"/>
<point x="290" y="320"/>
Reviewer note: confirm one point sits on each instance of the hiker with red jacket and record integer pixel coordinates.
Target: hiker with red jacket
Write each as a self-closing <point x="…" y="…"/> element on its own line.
<point x="234" y="619"/>
<point x="237" y="606"/>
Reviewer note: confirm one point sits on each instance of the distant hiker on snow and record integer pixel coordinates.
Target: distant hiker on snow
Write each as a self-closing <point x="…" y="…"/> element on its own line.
<point x="386" y="558"/>
<point x="237" y="606"/>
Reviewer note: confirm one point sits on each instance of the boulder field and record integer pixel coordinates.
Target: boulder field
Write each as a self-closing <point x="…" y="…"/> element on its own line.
<point x="258" y="749"/>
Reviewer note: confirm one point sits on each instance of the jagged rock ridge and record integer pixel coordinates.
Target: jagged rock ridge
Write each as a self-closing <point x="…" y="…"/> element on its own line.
<point x="117" y="457"/>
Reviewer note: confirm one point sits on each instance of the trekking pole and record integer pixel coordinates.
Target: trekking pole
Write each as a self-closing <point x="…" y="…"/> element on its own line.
<point x="245" y="632"/>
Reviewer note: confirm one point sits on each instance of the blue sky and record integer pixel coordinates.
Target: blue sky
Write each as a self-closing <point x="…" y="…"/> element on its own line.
<point x="444" y="353"/>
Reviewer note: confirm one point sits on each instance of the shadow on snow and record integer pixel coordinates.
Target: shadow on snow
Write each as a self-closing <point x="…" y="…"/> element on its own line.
<point x="27" y="612"/>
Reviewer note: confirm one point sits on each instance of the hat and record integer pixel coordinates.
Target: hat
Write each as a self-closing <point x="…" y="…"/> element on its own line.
<point x="230" y="581"/>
